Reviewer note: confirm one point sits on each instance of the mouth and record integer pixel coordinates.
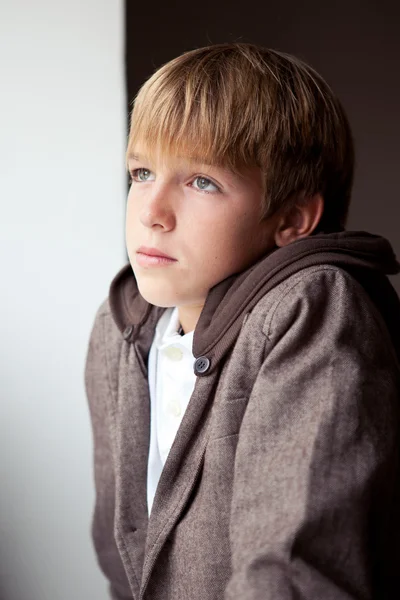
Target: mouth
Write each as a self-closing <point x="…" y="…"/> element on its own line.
<point x="152" y="257"/>
<point x="153" y="252"/>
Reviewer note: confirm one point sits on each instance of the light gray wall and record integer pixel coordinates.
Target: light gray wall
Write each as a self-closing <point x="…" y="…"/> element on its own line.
<point x="62" y="197"/>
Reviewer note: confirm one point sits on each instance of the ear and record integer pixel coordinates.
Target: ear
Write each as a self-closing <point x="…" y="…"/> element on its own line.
<point x="300" y="220"/>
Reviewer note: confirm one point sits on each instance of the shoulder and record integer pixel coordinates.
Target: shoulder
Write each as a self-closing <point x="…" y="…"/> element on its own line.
<point x="322" y="298"/>
<point x="104" y="343"/>
<point x="104" y="325"/>
<point x="326" y="346"/>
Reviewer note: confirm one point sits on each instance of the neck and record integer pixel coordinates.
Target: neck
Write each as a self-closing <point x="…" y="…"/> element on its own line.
<point x="189" y="316"/>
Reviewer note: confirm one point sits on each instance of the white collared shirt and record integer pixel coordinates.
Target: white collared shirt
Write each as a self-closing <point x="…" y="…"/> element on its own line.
<point x="171" y="383"/>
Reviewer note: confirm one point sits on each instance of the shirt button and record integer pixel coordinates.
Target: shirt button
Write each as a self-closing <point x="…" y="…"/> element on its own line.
<point x="174" y="353"/>
<point x="174" y="407"/>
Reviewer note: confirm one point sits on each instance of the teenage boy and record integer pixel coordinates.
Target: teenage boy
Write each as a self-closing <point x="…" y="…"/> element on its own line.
<point x="243" y="376"/>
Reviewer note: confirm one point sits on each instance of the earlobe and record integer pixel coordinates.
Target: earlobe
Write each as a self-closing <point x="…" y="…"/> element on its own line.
<point x="300" y="221"/>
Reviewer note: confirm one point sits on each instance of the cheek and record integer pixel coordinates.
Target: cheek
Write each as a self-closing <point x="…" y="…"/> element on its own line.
<point x="236" y="245"/>
<point x="210" y="235"/>
<point x="131" y="230"/>
<point x="232" y="233"/>
<point x="132" y="213"/>
<point x="130" y="206"/>
<point x="219" y="246"/>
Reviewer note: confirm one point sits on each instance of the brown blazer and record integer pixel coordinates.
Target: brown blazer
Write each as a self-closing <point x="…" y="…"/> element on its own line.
<point x="283" y="479"/>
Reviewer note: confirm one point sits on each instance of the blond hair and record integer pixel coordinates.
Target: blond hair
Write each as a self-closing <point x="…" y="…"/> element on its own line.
<point x="238" y="105"/>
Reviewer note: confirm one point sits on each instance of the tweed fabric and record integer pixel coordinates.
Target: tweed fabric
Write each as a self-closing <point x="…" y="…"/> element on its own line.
<point x="283" y="479"/>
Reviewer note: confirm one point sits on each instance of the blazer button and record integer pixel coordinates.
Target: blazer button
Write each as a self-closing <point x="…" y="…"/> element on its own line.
<point x="201" y="365"/>
<point x="127" y="332"/>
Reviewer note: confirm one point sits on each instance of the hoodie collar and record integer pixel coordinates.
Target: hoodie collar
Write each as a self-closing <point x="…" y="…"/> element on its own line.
<point x="230" y="300"/>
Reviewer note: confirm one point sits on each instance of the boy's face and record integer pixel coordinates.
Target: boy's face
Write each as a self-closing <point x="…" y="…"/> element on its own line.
<point x="206" y="218"/>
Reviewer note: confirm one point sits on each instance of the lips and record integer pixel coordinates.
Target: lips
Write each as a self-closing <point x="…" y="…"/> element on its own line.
<point x="154" y="252"/>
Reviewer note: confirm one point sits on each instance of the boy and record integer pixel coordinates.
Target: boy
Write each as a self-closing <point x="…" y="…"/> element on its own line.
<point x="243" y="376"/>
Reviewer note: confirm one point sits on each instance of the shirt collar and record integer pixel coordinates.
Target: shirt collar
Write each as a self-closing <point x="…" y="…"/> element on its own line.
<point x="167" y="331"/>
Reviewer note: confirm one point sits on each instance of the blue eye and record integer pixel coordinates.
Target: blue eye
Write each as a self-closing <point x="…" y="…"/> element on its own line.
<point x="203" y="184"/>
<point x="141" y="174"/>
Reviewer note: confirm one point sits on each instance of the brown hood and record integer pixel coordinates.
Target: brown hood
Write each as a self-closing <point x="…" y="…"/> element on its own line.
<point x="369" y="258"/>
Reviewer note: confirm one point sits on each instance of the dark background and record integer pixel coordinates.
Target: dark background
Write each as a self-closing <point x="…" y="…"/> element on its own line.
<point x="354" y="45"/>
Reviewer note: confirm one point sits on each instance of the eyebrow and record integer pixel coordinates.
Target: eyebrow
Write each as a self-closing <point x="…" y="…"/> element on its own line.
<point x="139" y="157"/>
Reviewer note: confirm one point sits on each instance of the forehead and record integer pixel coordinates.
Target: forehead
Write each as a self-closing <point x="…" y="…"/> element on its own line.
<point x="168" y="158"/>
<point x="165" y="147"/>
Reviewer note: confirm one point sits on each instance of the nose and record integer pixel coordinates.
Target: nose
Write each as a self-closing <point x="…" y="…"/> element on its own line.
<point x="157" y="208"/>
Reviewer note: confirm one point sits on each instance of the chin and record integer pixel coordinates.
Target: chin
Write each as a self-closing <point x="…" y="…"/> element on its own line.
<point x="154" y="294"/>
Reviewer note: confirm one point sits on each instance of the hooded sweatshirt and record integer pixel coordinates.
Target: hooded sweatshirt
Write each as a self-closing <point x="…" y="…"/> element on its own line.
<point x="283" y="475"/>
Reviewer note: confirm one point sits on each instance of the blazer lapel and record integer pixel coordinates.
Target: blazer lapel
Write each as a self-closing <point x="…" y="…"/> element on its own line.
<point x="180" y="471"/>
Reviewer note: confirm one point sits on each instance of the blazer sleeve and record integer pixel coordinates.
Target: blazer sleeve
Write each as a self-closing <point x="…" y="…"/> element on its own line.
<point x="102" y="528"/>
<point x="313" y="513"/>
